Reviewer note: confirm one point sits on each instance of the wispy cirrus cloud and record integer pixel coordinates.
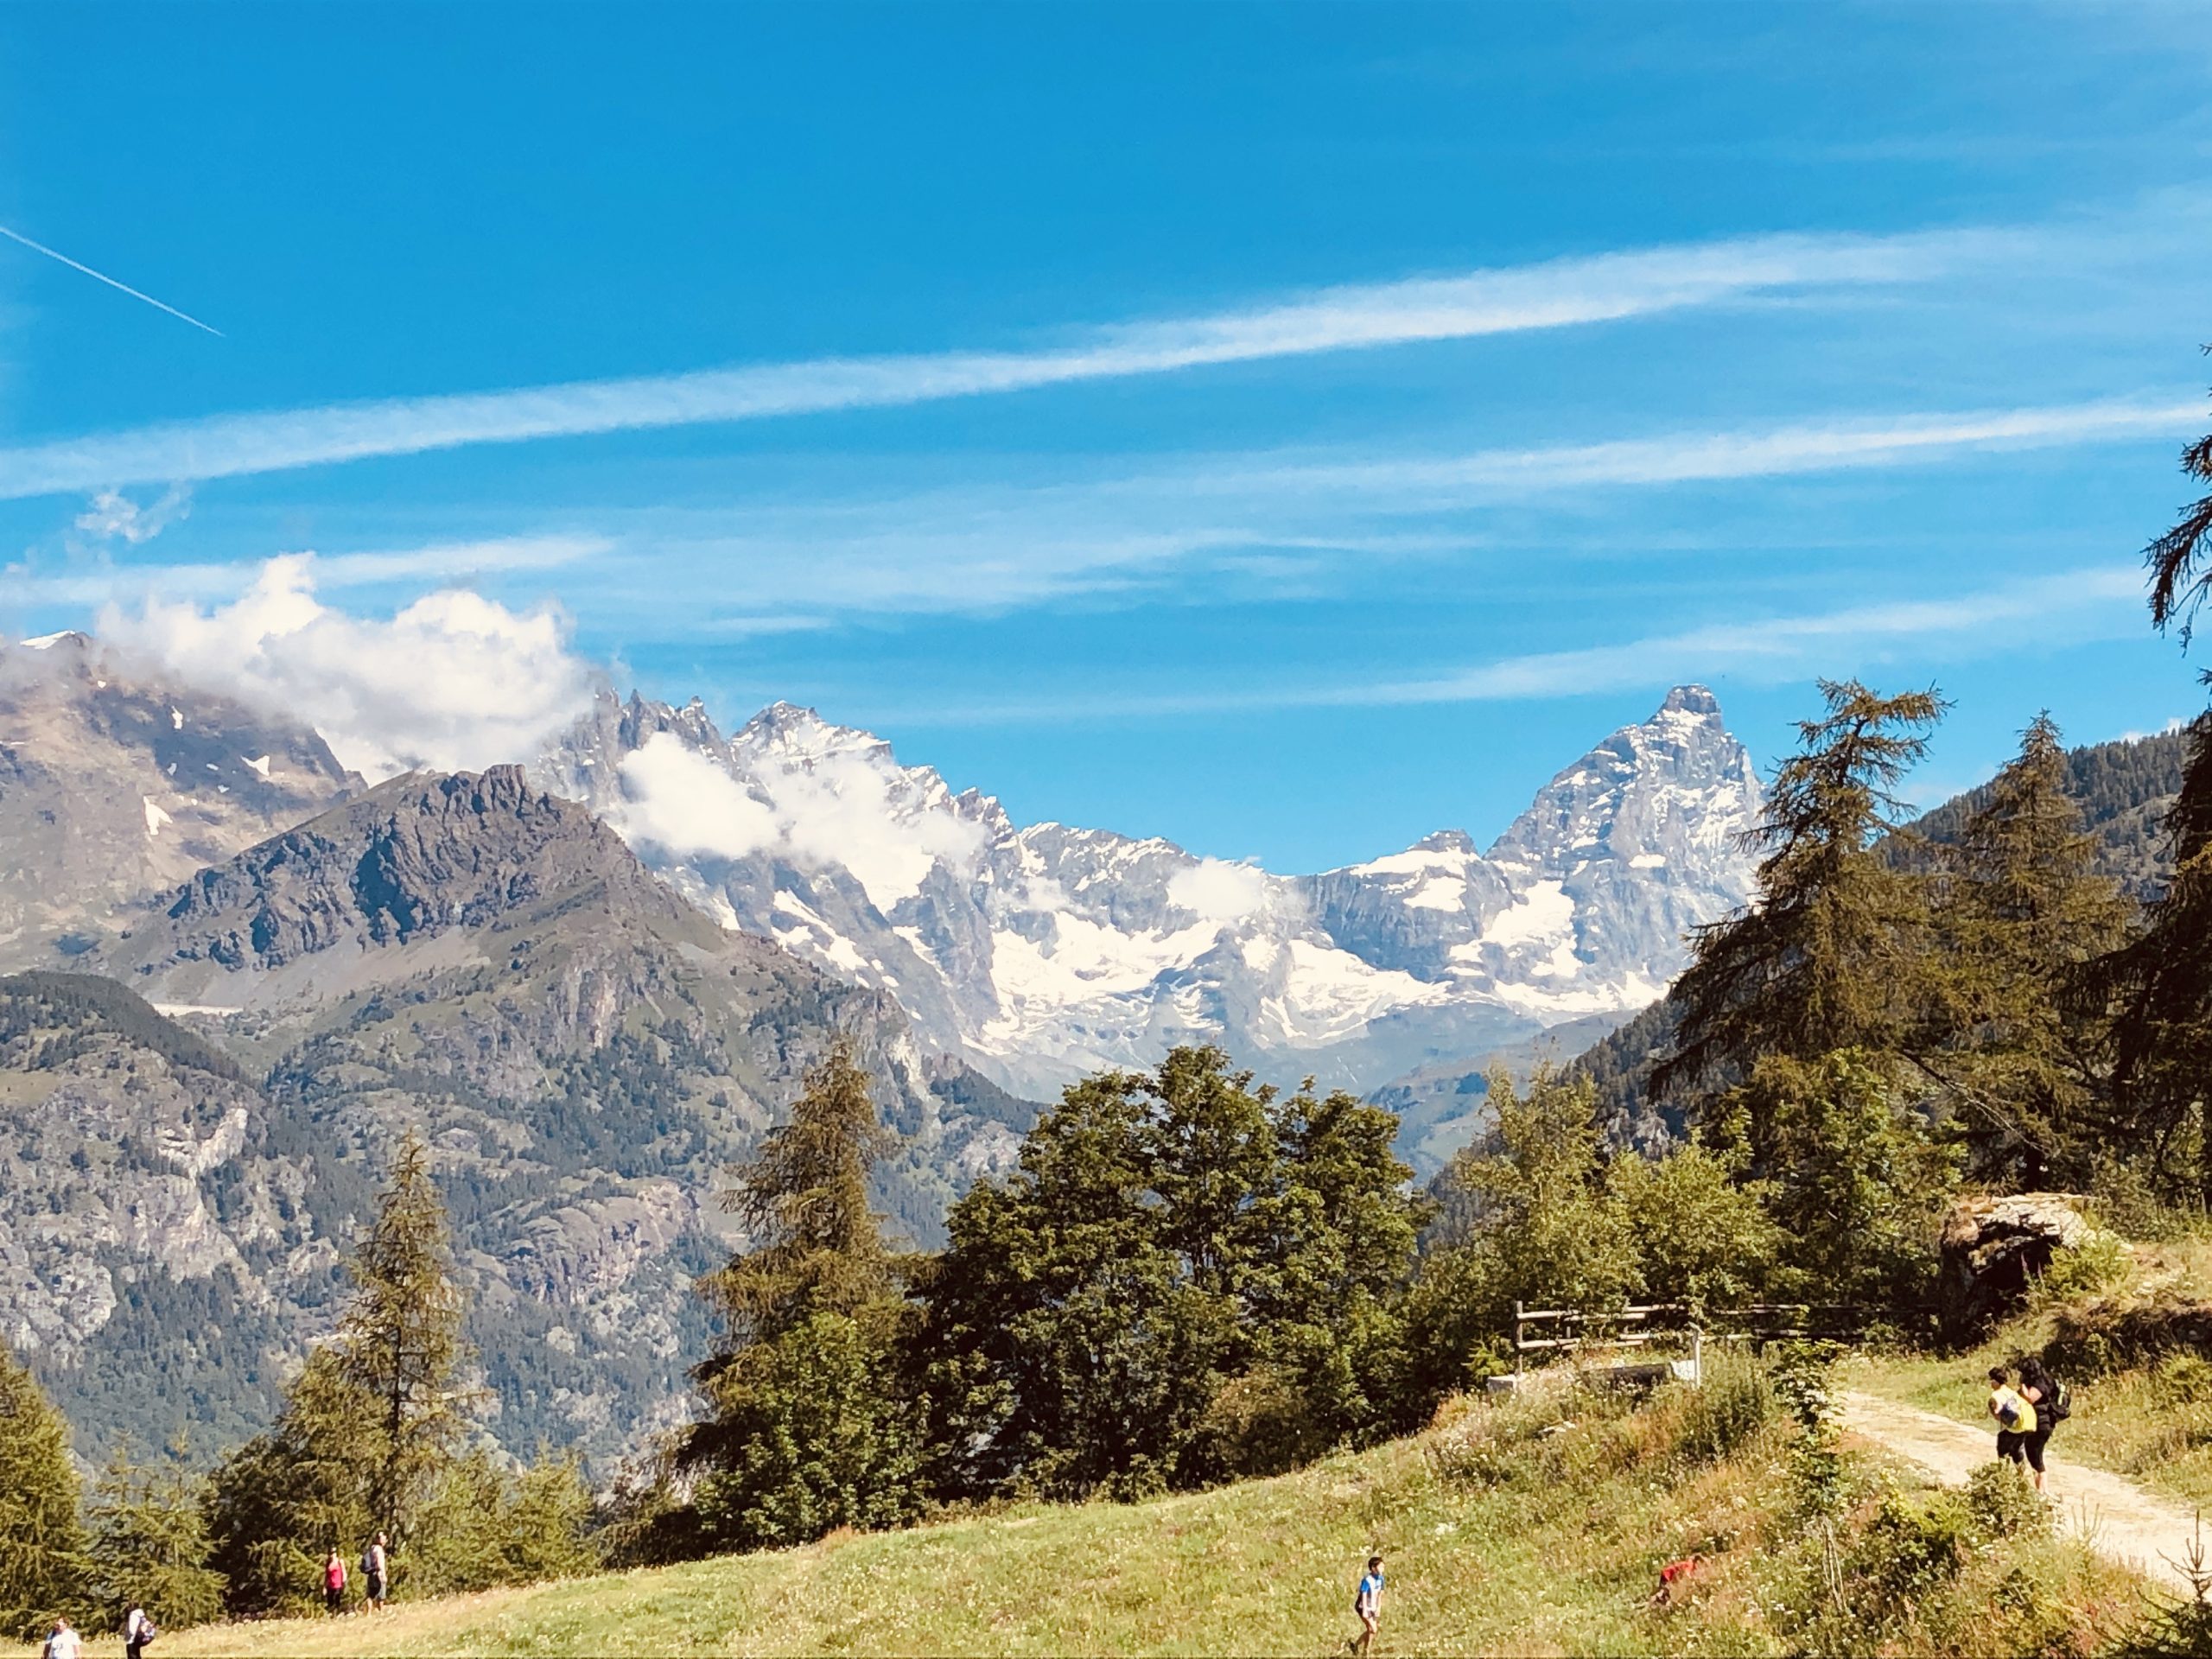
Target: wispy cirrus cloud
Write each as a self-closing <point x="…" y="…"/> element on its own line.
<point x="1551" y="295"/>
<point x="971" y="551"/>
<point x="98" y="583"/>
<point x="2093" y="602"/>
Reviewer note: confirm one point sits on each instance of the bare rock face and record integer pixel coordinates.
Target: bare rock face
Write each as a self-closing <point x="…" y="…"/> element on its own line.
<point x="114" y="785"/>
<point x="1994" y="1249"/>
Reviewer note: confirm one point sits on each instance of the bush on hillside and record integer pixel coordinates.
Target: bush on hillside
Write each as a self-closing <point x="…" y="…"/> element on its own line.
<point x="2100" y="1263"/>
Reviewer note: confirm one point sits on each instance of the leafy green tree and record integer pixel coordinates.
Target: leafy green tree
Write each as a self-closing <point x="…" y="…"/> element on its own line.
<point x="44" y="1567"/>
<point x="812" y="1433"/>
<point x="150" y="1540"/>
<point x="1188" y="1276"/>
<point x="810" y="1425"/>
<point x="1535" y="1225"/>
<point x="2024" y="911"/>
<point x="400" y="1341"/>
<point x="482" y="1525"/>
<point x="1834" y="954"/>
<point x="1702" y="1234"/>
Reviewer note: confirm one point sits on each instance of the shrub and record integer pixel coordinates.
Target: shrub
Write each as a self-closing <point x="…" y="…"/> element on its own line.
<point x="1735" y="1403"/>
<point x="2003" y="1504"/>
<point x="2100" y="1263"/>
<point x="1913" y="1546"/>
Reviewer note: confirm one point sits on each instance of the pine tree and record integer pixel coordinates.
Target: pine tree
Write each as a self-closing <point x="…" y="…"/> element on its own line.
<point x="2177" y="588"/>
<point x="816" y="1245"/>
<point x="2160" y="992"/>
<point x="809" y="1425"/>
<point x="303" y="1487"/>
<point x="369" y="1426"/>
<point x="400" y="1340"/>
<point x="150" y="1540"/>
<point x="43" y="1560"/>
<point x="2024" y="909"/>
<point x="1834" y="954"/>
<point x="2160" y="987"/>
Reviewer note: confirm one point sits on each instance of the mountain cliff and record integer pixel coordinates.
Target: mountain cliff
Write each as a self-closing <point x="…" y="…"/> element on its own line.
<point x="586" y="1052"/>
<point x="114" y="785"/>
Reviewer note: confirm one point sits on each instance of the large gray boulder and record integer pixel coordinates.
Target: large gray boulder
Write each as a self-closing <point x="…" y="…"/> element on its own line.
<point x="1994" y="1248"/>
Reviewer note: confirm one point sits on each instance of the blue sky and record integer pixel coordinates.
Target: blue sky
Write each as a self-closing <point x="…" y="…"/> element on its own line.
<point x="1284" y="429"/>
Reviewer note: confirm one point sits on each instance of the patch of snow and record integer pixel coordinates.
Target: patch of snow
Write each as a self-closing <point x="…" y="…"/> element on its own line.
<point x="45" y="641"/>
<point x="177" y="719"/>
<point x="1538" y="916"/>
<point x="1439" y="892"/>
<point x="155" y="818"/>
<point x="259" y="763"/>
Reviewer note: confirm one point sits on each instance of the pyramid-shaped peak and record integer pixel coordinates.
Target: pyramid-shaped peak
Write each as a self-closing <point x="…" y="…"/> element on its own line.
<point x="1690" y="699"/>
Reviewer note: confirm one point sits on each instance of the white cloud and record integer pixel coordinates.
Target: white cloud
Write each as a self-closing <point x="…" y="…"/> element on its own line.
<point x="679" y="800"/>
<point x="2097" y="602"/>
<point x="838" y="807"/>
<point x="452" y="681"/>
<point x="112" y="516"/>
<point x="1556" y="294"/>
<point x="983" y="549"/>
<point x="1218" y="891"/>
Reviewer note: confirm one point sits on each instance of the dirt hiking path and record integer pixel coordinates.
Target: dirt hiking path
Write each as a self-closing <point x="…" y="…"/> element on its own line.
<point x="2115" y="1517"/>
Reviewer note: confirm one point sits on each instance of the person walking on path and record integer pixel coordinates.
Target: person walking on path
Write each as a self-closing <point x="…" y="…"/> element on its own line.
<point x="2050" y="1401"/>
<point x="334" y="1583"/>
<point x="1368" y="1604"/>
<point x="61" y="1642"/>
<point x="376" y="1572"/>
<point x="137" y="1630"/>
<point x="2016" y="1420"/>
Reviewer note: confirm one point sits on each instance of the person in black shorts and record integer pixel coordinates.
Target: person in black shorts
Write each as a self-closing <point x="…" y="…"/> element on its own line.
<point x="2040" y="1392"/>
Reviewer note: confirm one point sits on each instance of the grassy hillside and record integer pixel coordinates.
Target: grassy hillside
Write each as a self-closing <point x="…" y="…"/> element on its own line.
<point x="1535" y="1527"/>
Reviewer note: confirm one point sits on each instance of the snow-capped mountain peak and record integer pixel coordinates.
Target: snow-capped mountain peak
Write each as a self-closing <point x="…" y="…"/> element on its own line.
<point x="1037" y="953"/>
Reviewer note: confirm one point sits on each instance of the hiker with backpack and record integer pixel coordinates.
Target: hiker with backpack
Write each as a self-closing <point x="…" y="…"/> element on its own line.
<point x="1366" y="1602"/>
<point x="2015" y="1416"/>
<point x="2054" y="1403"/>
<point x="137" y="1630"/>
<point x="376" y="1573"/>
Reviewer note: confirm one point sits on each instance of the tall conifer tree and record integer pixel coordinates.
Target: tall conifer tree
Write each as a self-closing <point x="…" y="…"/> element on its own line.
<point x="2161" y="984"/>
<point x="2161" y="990"/>
<point x="43" y="1565"/>
<point x="400" y="1340"/>
<point x="2024" y="909"/>
<point x="1835" y="953"/>
<point x="811" y="1425"/>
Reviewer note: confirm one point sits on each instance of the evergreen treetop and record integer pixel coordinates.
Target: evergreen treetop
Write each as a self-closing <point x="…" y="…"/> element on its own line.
<point x="1834" y="953"/>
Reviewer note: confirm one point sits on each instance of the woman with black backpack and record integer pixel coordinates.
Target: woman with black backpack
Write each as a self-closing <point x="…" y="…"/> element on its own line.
<point x="2053" y="1406"/>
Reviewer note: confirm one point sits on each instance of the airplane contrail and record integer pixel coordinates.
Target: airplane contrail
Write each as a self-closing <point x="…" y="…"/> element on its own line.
<point x="41" y="247"/>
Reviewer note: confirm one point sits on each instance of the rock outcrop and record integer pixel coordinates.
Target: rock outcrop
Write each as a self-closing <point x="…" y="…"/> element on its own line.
<point x="1994" y="1248"/>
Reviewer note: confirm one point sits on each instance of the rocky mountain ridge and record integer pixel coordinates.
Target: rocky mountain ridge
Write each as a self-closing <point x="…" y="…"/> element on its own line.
<point x="1039" y="952"/>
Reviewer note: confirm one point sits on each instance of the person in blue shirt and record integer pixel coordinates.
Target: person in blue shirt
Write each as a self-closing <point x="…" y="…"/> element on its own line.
<point x="1368" y="1604"/>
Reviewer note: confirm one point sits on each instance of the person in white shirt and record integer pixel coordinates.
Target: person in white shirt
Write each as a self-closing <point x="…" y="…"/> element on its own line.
<point x="137" y="1631"/>
<point x="63" y="1644"/>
